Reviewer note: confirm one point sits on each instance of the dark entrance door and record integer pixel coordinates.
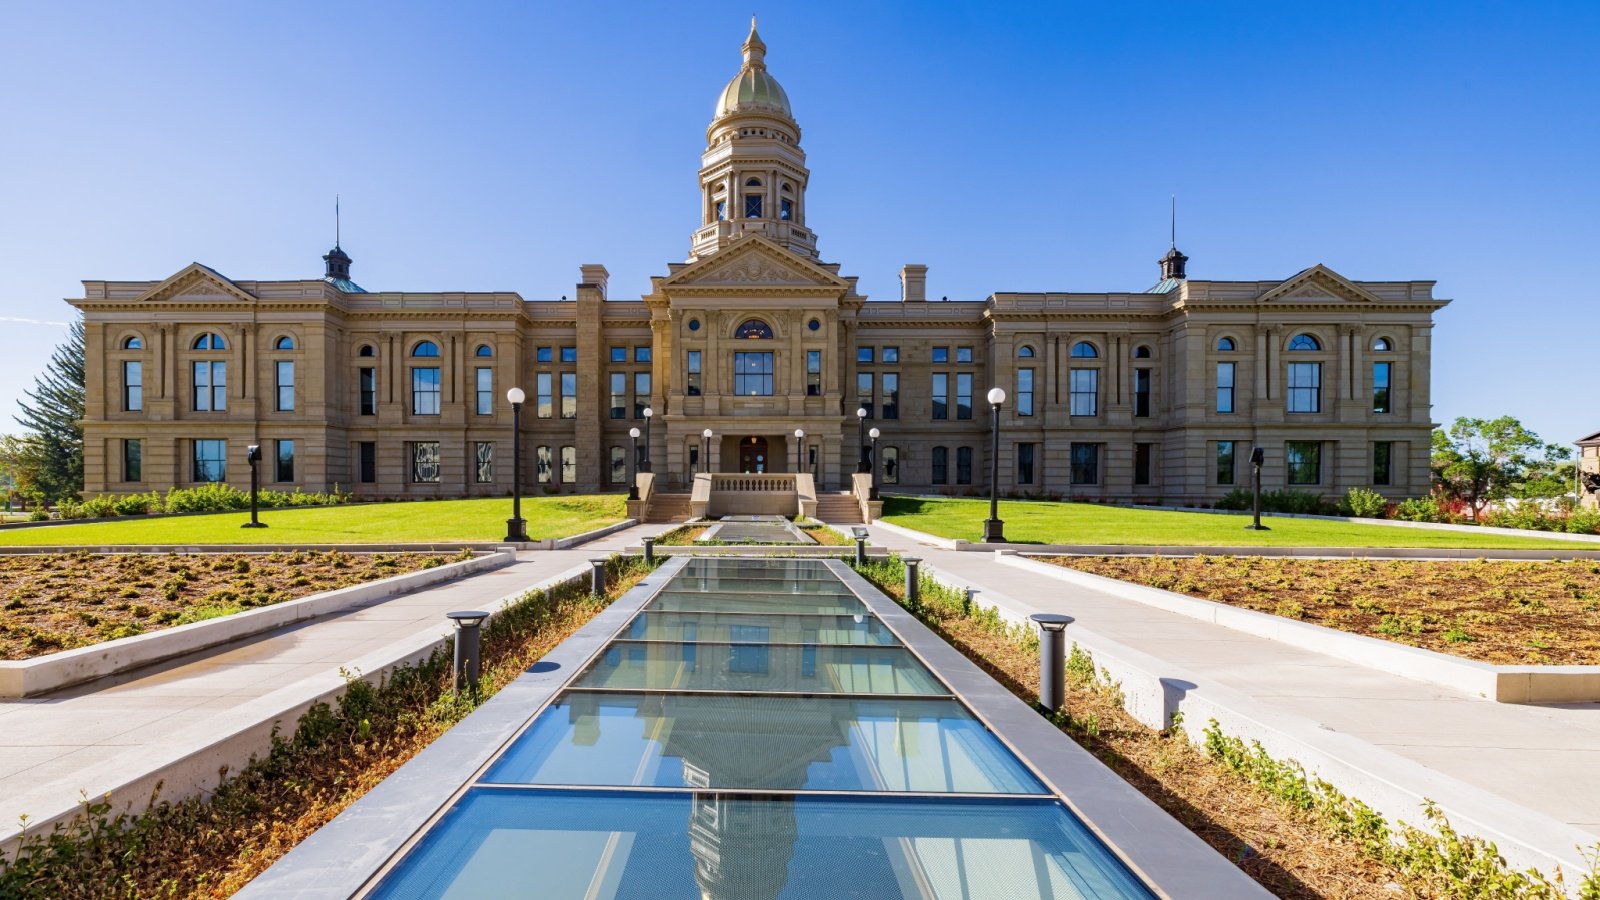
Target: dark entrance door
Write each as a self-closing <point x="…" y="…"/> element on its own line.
<point x="753" y="455"/>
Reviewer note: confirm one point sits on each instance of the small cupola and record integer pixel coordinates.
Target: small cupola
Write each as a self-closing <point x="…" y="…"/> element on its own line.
<point x="1172" y="265"/>
<point x="336" y="262"/>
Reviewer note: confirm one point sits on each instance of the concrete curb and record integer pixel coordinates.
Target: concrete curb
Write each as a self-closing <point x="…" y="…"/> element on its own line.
<point x="565" y="543"/>
<point x="221" y="745"/>
<point x="30" y="677"/>
<point x="568" y="543"/>
<point x="1395" y="523"/>
<point x="822" y="550"/>
<point x="1502" y="684"/>
<point x="920" y="537"/>
<point x="1154" y="690"/>
<point x="1300" y="552"/>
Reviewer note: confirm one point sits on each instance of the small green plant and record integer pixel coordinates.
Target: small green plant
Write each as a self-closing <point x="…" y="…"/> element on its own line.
<point x="1365" y="504"/>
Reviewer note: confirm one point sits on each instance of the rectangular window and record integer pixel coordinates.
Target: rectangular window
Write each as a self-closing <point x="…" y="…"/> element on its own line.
<point x="722" y="210"/>
<point x="210" y="387"/>
<point x="864" y="391"/>
<point x="569" y="354"/>
<point x="543" y="385"/>
<point x="1380" y="386"/>
<point x="1085" y="463"/>
<point x="1025" y="463"/>
<point x="285" y="383"/>
<point x="132" y="386"/>
<point x="813" y="373"/>
<point x="1141" y="393"/>
<point x="210" y="461"/>
<point x="963" y="354"/>
<point x="569" y="395"/>
<point x="545" y="354"/>
<point x="963" y="465"/>
<point x="891" y="465"/>
<point x="619" y="395"/>
<point x="485" y="391"/>
<point x="1304" y="459"/>
<point x="132" y="460"/>
<point x="619" y="466"/>
<point x="285" y="462"/>
<point x="425" y="462"/>
<point x="367" y="452"/>
<point x="569" y="465"/>
<point x="367" y="385"/>
<point x="544" y="463"/>
<point x="641" y="393"/>
<point x="891" y="394"/>
<point x="1382" y="453"/>
<point x="619" y="354"/>
<point x="692" y="384"/>
<point x="941" y="354"/>
<point x="641" y="354"/>
<point x="785" y="209"/>
<point x="963" y="395"/>
<point x="694" y="459"/>
<point x="752" y="206"/>
<point x="941" y="465"/>
<point x="1305" y="388"/>
<point x="863" y="354"/>
<point x="1084" y="392"/>
<point x="484" y="457"/>
<point x="941" y="395"/>
<point x="890" y="355"/>
<point x="1225" y="387"/>
<point x="425" y="391"/>
<point x="752" y="374"/>
<point x="1224" y="462"/>
<point x="1024" y="392"/>
<point x="1141" y="463"/>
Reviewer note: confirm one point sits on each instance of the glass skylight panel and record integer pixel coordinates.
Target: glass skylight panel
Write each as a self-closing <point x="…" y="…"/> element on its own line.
<point x="821" y="669"/>
<point x="781" y="629"/>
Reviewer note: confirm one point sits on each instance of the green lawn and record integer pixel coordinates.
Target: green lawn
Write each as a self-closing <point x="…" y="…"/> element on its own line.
<point x="1088" y="523"/>
<point x="378" y="523"/>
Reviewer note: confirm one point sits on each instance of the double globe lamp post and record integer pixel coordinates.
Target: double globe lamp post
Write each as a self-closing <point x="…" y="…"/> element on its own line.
<point x="516" y="526"/>
<point x="993" y="528"/>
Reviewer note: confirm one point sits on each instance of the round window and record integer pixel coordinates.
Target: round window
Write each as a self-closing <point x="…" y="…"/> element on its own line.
<point x="814" y="324"/>
<point x="694" y="324"/>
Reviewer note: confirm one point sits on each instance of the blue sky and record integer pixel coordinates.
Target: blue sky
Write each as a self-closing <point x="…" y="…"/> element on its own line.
<point x="496" y="147"/>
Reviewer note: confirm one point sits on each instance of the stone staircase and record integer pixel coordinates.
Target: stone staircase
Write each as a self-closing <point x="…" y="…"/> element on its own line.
<point x="668" y="507"/>
<point x="838" y="509"/>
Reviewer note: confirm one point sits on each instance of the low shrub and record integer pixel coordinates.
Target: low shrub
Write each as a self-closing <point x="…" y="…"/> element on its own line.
<point x="1299" y="502"/>
<point x="1365" y="504"/>
<point x="1417" y="509"/>
<point x="1584" y="521"/>
<point x="1236" y="499"/>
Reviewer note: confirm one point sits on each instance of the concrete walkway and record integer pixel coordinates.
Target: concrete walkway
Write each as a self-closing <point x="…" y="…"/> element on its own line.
<point x="1542" y="758"/>
<point x="108" y="734"/>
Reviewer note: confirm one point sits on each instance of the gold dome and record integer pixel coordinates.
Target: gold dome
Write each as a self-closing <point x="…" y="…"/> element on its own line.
<point x="753" y="89"/>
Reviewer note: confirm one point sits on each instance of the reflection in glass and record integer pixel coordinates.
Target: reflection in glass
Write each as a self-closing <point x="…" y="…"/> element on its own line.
<point x="790" y="629"/>
<point x="817" y="604"/>
<point x="756" y="666"/>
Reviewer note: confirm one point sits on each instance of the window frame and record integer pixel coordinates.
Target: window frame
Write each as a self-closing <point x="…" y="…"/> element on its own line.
<point x="1027" y="453"/>
<point x="421" y="392"/>
<point x="692" y="368"/>
<point x="132" y="460"/>
<point x="889" y="394"/>
<point x="939" y="395"/>
<point x="282" y="463"/>
<point x="1298" y="395"/>
<point x="483" y="462"/>
<point x="964" y="396"/>
<point x="419" y="461"/>
<point x="1383" y="393"/>
<point x="569" y="395"/>
<point x="215" y="390"/>
<point x="283" y="393"/>
<point x="1382" y="463"/>
<point x="1295" y="463"/>
<point x="1083" y="393"/>
<point x="1084" y="463"/>
<point x="1227" y="408"/>
<point x="619" y="395"/>
<point x="483" y="393"/>
<point x="964" y="465"/>
<point x="199" y="460"/>
<point x="1225" y="465"/>
<point x="367" y="391"/>
<point x="939" y="465"/>
<point x="760" y="376"/>
<point x="1024" y="404"/>
<point x="1142" y="391"/>
<point x="132" y="385"/>
<point x="813" y="373"/>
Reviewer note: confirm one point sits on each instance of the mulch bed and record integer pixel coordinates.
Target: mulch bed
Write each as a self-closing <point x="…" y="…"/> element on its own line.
<point x="1510" y="613"/>
<point x="54" y="602"/>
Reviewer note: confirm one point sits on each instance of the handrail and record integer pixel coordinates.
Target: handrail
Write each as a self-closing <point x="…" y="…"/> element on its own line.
<point x="732" y="481"/>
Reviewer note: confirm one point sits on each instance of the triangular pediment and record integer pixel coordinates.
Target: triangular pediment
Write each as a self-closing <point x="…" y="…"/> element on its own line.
<point x="197" y="282"/>
<point x="1319" y="284"/>
<point x="754" y="261"/>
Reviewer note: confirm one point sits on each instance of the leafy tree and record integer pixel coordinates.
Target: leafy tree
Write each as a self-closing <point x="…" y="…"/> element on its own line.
<point x="51" y="458"/>
<point x="1479" y="461"/>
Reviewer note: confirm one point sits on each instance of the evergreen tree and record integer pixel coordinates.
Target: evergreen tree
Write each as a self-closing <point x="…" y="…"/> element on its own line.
<point x="52" y="420"/>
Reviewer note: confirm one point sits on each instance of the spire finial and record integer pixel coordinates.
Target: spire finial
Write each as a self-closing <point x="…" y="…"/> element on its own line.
<point x="335" y="220"/>
<point x="1172" y="265"/>
<point x="1174" y="221"/>
<point x="755" y="51"/>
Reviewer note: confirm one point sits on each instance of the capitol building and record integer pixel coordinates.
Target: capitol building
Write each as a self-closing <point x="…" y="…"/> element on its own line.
<point x="1158" y="393"/>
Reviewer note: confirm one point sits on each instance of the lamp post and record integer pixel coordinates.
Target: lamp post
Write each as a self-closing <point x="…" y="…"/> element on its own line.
<point x="633" y="460"/>
<point x="516" y="526"/>
<point x="705" y="450"/>
<point x="799" y="449"/>
<point x="644" y="466"/>
<point x="252" y="455"/>
<point x="872" y="486"/>
<point x="861" y="439"/>
<point x="1257" y="457"/>
<point x="993" y="528"/>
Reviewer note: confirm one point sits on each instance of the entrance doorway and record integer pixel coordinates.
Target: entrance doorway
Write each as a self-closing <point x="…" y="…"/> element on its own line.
<point x="753" y="456"/>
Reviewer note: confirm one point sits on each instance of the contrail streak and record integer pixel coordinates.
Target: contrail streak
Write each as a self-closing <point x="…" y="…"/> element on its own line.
<point x="31" y="321"/>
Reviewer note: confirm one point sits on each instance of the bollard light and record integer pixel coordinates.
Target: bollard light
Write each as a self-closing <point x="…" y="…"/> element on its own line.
<point x="1052" y="660"/>
<point x="597" y="576"/>
<point x="649" y="551"/>
<point x="913" y="578"/>
<point x="252" y="455"/>
<point x="860" y="534"/>
<point x="1257" y="457"/>
<point x="469" y="635"/>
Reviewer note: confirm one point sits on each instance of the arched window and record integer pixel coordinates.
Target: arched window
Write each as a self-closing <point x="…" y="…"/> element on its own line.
<point x="786" y="188"/>
<point x="1226" y="345"/>
<point x="1141" y="352"/>
<point x="1382" y="345"/>
<point x="284" y="343"/>
<point x="132" y="343"/>
<point x="1305" y="342"/>
<point x="366" y="350"/>
<point x="483" y="350"/>
<point x="210" y="341"/>
<point x="753" y="182"/>
<point x="1025" y="352"/>
<point x="425" y="348"/>
<point x="755" y="330"/>
<point x="1084" y="350"/>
